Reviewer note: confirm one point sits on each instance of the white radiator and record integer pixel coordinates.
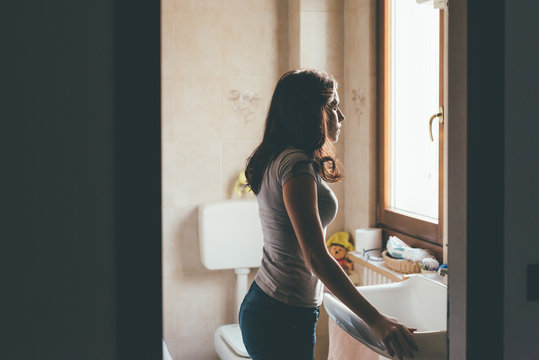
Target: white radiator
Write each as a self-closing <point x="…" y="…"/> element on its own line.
<point x="373" y="272"/>
<point x="371" y="277"/>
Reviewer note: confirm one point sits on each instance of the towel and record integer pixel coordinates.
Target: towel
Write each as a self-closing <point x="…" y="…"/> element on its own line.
<point x="400" y="250"/>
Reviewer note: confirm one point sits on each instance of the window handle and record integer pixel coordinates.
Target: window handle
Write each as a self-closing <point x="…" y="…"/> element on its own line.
<point x="440" y="115"/>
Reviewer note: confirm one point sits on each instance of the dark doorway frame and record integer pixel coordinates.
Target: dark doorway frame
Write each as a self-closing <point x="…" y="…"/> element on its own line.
<point x="476" y="179"/>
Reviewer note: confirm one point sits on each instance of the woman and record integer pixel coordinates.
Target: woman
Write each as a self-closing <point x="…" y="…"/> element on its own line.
<point x="289" y="172"/>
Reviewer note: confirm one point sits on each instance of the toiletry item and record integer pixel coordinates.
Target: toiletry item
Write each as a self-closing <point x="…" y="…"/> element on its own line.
<point x="442" y="270"/>
<point x="368" y="238"/>
<point x="400" y="250"/>
<point x="429" y="264"/>
<point x="400" y="265"/>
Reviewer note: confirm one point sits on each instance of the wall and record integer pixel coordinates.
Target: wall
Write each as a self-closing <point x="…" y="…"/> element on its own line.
<point x="210" y="49"/>
<point x="221" y="60"/>
<point x="360" y="102"/>
<point x="211" y="52"/>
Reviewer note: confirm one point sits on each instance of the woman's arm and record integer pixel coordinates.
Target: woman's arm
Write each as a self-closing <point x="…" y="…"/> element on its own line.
<point x="300" y="199"/>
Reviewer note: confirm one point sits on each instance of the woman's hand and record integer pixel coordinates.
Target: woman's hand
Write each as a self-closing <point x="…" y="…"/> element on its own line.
<point x="397" y="338"/>
<point x="301" y="201"/>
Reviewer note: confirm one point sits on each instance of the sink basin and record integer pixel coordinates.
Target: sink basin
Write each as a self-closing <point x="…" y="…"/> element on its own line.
<point x="419" y="302"/>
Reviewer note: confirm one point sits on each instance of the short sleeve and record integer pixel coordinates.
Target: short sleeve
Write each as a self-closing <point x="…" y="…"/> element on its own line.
<point x="293" y="163"/>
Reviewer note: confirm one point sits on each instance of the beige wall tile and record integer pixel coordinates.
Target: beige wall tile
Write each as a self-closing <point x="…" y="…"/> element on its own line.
<point x="167" y="106"/>
<point x="198" y="172"/>
<point x="322" y="45"/>
<point x="245" y="117"/>
<point x="181" y="245"/>
<point x="252" y="43"/>
<point x="204" y="302"/>
<point x="170" y="291"/>
<point x="168" y="173"/>
<point x="361" y="108"/>
<point x="322" y="5"/>
<point x="360" y="50"/>
<point x="294" y="35"/>
<point x="167" y="43"/>
<point x="235" y="154"/>
<point x="186" y="237"/>
<point x="196" y="105"/>
<point x="171" y="244"/>
<point x="193" y="44"/>
<point x="353" y="5"/>
<point x="272" y="6"/>
<point x="360" y="186"/>
<point x="195" y="347"/>
<point x="283" y="44"/>
<point x="360" y="101"/>
<point x="313" y="40"/>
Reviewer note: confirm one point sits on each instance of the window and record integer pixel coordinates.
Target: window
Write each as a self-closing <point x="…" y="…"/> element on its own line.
<point x="410" y="200"/>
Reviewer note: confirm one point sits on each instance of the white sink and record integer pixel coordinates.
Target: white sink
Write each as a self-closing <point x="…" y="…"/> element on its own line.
<point x="419" y="302"/>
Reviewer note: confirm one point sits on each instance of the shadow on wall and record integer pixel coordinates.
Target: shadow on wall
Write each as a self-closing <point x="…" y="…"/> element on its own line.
<point x="190" y="263"/>
<point x="189" y="246"/>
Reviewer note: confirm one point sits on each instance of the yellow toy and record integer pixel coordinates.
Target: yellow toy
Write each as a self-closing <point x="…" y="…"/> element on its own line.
<point x="339" y="244"/>
<point x="240" y="187"/>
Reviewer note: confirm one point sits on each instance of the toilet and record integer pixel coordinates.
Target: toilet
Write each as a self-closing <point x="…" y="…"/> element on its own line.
<point x="231" y="238"/>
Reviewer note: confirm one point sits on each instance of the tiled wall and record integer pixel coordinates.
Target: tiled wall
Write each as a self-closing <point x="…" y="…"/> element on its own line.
<point x="220" y="62"/>
<point x="360" y="103"/>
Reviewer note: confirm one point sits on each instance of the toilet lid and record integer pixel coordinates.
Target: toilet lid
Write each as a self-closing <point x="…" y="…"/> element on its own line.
<point x="232" y="336"/>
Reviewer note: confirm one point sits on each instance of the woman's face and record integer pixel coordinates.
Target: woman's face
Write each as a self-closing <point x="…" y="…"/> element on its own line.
<point x="335" y="118"/>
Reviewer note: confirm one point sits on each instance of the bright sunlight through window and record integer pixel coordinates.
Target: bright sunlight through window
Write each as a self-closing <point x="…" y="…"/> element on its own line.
<point x="414" y="99"/>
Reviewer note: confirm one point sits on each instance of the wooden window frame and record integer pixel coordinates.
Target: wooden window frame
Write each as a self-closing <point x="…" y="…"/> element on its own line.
<point x="415" y="231"/>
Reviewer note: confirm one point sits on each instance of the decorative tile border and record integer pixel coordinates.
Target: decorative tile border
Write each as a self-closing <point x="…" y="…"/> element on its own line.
<point x="358" y="100"/>
<point x="244" y="103"/>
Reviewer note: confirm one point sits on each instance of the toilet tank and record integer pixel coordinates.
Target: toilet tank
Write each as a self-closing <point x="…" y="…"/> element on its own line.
<point x="230" y="234"/>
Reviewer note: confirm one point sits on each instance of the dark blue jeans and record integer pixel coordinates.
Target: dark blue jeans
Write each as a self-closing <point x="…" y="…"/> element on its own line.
<point x="273" y="330"/>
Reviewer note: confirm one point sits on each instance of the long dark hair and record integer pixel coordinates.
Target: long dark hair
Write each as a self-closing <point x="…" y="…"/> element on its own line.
<point x="297" y="119"/>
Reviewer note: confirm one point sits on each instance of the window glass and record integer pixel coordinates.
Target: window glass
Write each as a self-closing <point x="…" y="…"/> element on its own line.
<point x="414" y="99"/>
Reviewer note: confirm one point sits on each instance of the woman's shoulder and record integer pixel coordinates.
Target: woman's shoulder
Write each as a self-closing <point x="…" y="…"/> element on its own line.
<point x="292" y="162"/>
<point x="293" y="155"/>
